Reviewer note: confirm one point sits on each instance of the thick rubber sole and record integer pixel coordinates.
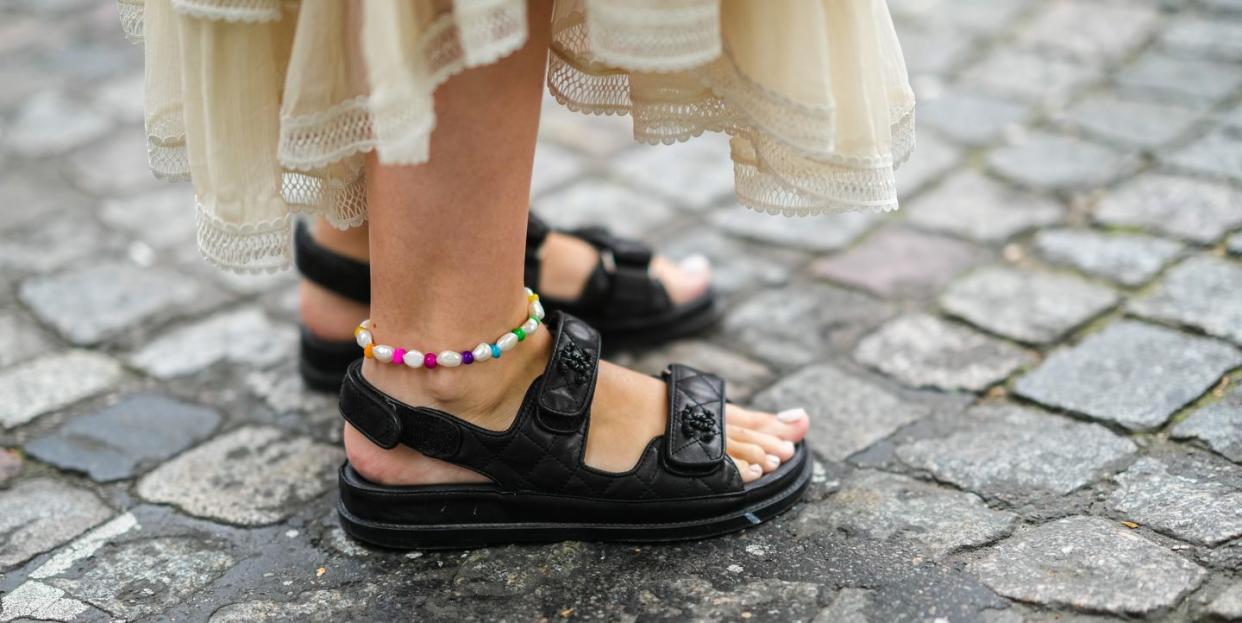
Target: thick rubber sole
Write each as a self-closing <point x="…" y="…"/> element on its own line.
<point x="473" y="535"/>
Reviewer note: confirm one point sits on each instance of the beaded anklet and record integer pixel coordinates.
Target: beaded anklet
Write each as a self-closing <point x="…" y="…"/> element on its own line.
<point x="412" y="358"/>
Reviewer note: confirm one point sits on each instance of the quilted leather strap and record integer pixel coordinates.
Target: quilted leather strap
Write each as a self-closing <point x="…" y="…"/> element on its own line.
<point x="387" y="422"/>
<point x="569" y="378"/>
<point x="342" y="275"/>
<point x="696" y="402"/>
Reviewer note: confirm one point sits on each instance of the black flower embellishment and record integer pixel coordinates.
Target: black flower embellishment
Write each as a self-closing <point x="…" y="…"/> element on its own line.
<point x="698" y="423"/>
<point x="575" y="363"/>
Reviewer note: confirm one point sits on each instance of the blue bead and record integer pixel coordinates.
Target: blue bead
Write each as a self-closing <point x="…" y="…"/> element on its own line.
<point x="495" y="352"/>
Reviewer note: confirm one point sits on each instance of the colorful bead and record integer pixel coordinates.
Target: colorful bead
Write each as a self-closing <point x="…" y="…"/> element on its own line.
<point x="506" y="342"/>
<point x="448" y="359"/>
<point x="482" y="352"/>
<point x="366" y="351"/>
<point x="429" y="360"/>
<point x="520" y="333"/>
<point x="467" y="357"/>
<point x="382" y="353"/>
<point x="398" y="356"/>
<point x="495" y="351"/>
<point x="413" y="359"/>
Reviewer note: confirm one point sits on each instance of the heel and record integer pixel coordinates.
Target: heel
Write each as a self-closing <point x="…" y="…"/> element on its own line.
<point x="322" y="363"/>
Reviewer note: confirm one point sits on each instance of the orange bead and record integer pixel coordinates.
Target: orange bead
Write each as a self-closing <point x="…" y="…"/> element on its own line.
<point x="366" y="352"/>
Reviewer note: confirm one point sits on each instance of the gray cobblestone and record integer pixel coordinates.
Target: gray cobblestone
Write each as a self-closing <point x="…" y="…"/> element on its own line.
<point x="924" y="351"/>
<point x="1015" y="453"/>
<point x="1053" y="162"/>
<point x="157" y="217"/>
<point x="242" y="336"/>
<point x="1218" y="425"/>
<point x="1030" y="306"/>
<point x="117" y="165"/>
<point x="696" y="174"/>
<point x="1228" y="605"/>
<point x="39" y="514"/>
<point x="41" y="385"/>
<point x="794" y="325"/>
<point x="1234" y="244"/>
<point x="1128" y="259"/>
<point x="1145" y="125"/>
<point x="251" y="476"/>
<point x="849" y="412"/>
<point x="971" y="118"/>
<point x="125" y="438"/>
<point x="90" y="304"/>
<point x="823" y="234"/>
<point x="900" y="263"/>
<point x="1090" y="32"/>
<point x="1191" y="209"/>
<point x="1132" y="374"/>
<point x="20" y="339"/>
<point x="974" y="206"/>
<point x="1213" y="38"/>
<point x="59" y="240"/>
<point x="625" y="212"/>
<point x="933" y="158"/>
<point x="1204" y="292"/>
<point x="1090" y="564"/>
<point x="1029" y="75"/>
<point x="1218" y="154"/>
<point x="50" y="124"/>
<point x="1194" y="498"/>
<point x="886" y="506"/>
<point x="1180" y="79"/>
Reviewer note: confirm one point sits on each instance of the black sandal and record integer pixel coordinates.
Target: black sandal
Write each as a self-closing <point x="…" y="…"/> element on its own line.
<point x="683" y="487"/>
<point x="628" y="305"/>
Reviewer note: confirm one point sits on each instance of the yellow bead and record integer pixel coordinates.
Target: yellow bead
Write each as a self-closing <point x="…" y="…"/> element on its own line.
<point x="532" y="298"/>
<point x="357" y="330"/>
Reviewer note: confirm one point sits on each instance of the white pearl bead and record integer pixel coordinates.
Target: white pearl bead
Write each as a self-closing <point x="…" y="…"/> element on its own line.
<point x="536" y="309"/>
<point x="506" y="342"/>
<point x="366" y="324"/>
<point x="530" y="326"/>
<point x="528" y="292"/>
<point x="482" y="352"/>
<point x="382" y="354"/>
<point x="448" y="358"/>
<point x="363" y="338"/>
<point x="413" y="359"/>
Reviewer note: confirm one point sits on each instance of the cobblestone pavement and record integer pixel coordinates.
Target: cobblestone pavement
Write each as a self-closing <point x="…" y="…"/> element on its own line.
<point x="1026" y="385"/>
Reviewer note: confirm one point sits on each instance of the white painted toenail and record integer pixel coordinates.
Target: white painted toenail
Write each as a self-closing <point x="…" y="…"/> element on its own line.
<point x="696" y="264"/>
<point x="754" y="468"/>
<point x="774" y="460"/>
<point x="792" y="415"/>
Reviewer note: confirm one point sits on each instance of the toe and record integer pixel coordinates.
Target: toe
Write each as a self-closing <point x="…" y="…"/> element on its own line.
<point x="790" y="425"/>
<point x="749" y="452"/>
<point x="782" y="449"/>
<point x="685" y="280"/>
<point x="750" y="472"/>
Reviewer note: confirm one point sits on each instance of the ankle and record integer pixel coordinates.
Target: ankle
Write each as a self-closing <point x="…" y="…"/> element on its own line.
<point x="326" y="314"/>
<point x="487" y="394"/>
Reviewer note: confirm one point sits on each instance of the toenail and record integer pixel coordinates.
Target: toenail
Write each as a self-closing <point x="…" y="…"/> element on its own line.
<point x="792" y="415"/>
<point x="696" y="264"/>
<point x="774" y="460"/>
<point x="754" y="468"/>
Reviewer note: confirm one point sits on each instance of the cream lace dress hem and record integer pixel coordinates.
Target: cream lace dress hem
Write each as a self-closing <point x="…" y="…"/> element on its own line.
<point x="268" y="106"/>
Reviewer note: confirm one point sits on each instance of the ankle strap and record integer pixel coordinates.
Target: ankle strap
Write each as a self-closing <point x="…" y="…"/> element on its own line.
<point x="344" y="276"/>
<point x="387" y="422"/>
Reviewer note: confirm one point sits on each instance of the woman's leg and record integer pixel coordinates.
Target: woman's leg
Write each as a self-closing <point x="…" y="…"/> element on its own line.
<point x="446" y="244"/>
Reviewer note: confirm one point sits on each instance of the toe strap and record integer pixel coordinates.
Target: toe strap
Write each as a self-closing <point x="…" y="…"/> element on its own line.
<point x="695" y="440"/>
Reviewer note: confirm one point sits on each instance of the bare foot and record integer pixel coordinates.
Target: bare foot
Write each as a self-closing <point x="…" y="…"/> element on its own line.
<point x="569" y="261"/>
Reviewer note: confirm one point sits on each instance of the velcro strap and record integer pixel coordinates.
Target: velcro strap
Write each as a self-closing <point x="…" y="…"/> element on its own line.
<point x="343" y="275"/>
<point x="625" y="251"/>
<point x="569" y="379"/>
<point x="696" y="403"/>
<point x="387" y="422"/>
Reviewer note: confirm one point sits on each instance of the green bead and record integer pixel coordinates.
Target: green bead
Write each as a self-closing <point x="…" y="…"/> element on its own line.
<point x="520" y="333"/>
<point x="537" y="321"/>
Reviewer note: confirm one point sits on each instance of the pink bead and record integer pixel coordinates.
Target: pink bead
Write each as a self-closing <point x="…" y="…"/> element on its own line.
<point x="398" y="356"/>
<point x="429" y="360"/>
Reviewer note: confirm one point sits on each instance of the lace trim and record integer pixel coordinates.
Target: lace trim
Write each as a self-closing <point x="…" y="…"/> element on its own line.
<point x="652" y="36"/>
<point x="168" y="161"/>
<point x="341" y="203"/>
<point x="131" y="14"/>
<point x="231" y="10"/>
<point x="248" y="248"/>
<point x="477" y="34"/>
